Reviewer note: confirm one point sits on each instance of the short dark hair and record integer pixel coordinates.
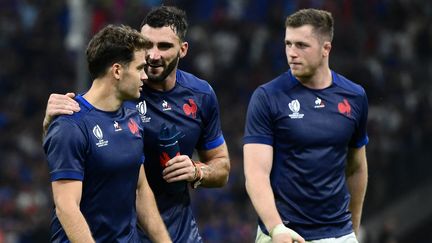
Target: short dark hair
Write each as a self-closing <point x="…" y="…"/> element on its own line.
<point x="112" y="44"/>
<point x="170" y="16"/>
<point x="321" y="20"/>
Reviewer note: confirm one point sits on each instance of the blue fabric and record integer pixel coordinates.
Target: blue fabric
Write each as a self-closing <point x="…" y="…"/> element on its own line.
<point x="310" y="132"/>
<point x="104" y="150"/>
<point x="193" y="108"/>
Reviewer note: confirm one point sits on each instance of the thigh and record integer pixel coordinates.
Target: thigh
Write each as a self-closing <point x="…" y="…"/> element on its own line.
<point x="350" y="238"/>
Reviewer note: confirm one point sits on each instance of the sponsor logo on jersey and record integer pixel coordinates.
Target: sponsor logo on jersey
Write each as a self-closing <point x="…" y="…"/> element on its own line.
<point x="295" y="108"/>
<point x="133" y="127"/>
<point x="142" y="110"/>
<point x="166" y="106"/>
<point x="319" y="103"/>
<point x="190" y="108"/>
<point x="344" y="107"/>
<point x="117" y="127"/>
<point x="97" y="131"/>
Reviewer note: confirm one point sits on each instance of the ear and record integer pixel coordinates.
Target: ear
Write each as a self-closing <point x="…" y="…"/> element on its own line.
<point x="183" y="49"/>
<point x="116" y="71"/>
<point x="326" y="48"/>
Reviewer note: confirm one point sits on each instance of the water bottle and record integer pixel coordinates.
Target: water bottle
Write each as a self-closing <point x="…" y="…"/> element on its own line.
<point x="169" y="148"/>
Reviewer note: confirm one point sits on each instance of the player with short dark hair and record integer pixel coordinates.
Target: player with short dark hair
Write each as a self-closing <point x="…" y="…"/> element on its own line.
<point x="95" y="156"/>
<point x="174" y="106"/>
<point x="304" y="145"/>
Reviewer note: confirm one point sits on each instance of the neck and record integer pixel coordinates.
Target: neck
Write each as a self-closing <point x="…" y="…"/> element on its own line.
<point x="102" y="95"/>
<point x="320" y="80"/>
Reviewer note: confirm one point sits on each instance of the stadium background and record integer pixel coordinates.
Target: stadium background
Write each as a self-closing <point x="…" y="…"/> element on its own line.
<point x="384" y="45"/>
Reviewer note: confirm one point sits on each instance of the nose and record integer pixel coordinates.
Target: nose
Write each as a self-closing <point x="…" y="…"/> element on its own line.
<point x="143" y="75"/>
<point x="153" y="53"/>
<point x="290" y="51"/>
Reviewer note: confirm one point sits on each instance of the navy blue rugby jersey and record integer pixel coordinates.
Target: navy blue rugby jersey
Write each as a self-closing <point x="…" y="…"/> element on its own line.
<point x="104" y="150"/>
<point x="310" y="132"/>
<point x="193" y="108"/>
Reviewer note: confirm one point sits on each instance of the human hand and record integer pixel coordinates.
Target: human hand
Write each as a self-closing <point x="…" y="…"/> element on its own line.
<point x="282" y="234"/>
<point x="180" y="168"/>
<point x="59" y="104"/>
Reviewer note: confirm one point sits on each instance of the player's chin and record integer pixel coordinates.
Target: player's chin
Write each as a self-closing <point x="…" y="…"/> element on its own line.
<point x="138" y="94"/>
<point x="135" y="95"/>
<point x="296" y="72"/>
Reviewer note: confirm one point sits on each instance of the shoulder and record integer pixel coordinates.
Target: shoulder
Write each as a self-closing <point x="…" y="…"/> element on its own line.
<point x="281" y="83"/>
<point x="77" y="119"/>
<point x="131" y="105"/>
<point x="192" y="82"/>
<point x="347" y="84"/>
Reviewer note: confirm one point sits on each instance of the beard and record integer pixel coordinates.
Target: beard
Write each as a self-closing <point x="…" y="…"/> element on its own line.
<point x="167" y="70"/>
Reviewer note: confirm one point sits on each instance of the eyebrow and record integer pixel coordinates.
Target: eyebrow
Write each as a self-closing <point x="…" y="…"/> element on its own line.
<point x="141" y="65"/>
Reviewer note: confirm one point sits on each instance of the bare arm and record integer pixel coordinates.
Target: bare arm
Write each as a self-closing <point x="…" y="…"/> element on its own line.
<point x="67" y="197"/>
<point x="258" y="162"/>
<point x="215" y="167"/>
<point x="148" y="213"/>
<point x="357" y="177"/>
<point x="58" y="104"/>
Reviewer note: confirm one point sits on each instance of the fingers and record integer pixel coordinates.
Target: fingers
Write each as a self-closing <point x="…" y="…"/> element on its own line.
<point x="179" y="168"/>
<point x="70" y="95"/>
<point x="287" y="237"/>
<point x="297" y="238"/>
<point x="59" y="104"/>
<point x="281" y="233"/>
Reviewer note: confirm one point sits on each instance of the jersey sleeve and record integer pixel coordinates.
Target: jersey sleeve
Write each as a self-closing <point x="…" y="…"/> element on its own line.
<point x="259" y="125"/>
<point x="65" y="149"/>
<point x="360" y="137"/>
<point x="212" y="136"/>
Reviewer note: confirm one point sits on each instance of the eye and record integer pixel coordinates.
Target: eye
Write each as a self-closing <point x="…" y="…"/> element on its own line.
<point x="165" y="46"/>
<point x="301" y="45"/>
<point x="148" y="45"/>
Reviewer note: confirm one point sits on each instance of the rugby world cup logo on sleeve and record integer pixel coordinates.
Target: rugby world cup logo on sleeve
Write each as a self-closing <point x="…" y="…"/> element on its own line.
<point x="295" y="108"/>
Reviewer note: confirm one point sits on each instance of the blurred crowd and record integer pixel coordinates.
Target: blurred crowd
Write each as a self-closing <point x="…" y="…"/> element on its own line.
<point x="386" y="46"/>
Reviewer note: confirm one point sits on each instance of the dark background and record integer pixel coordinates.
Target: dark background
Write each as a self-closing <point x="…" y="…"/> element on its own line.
<point x="236" y="45"/>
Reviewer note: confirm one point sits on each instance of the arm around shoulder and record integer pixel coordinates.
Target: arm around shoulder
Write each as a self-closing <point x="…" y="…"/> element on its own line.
<point x="58" y="104"/>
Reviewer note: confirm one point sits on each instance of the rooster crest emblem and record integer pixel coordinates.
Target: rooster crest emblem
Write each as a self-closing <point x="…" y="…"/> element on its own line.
<point x="190" y="108"/>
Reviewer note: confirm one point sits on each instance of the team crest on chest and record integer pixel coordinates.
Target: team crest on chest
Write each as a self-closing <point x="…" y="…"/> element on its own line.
<point x="190" y="108"/>
<point x="133" y="127"/>
<point x="295" y="108"/>
<point x="344" y="107"/>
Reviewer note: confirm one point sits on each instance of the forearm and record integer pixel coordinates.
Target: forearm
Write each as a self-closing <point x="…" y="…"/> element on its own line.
<point x="357" y="183"/>
<point x="215" y="172"/>
<point x="262" y="197"/>
<point x="74" y="224"/>
<point x="149" y="217"/>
